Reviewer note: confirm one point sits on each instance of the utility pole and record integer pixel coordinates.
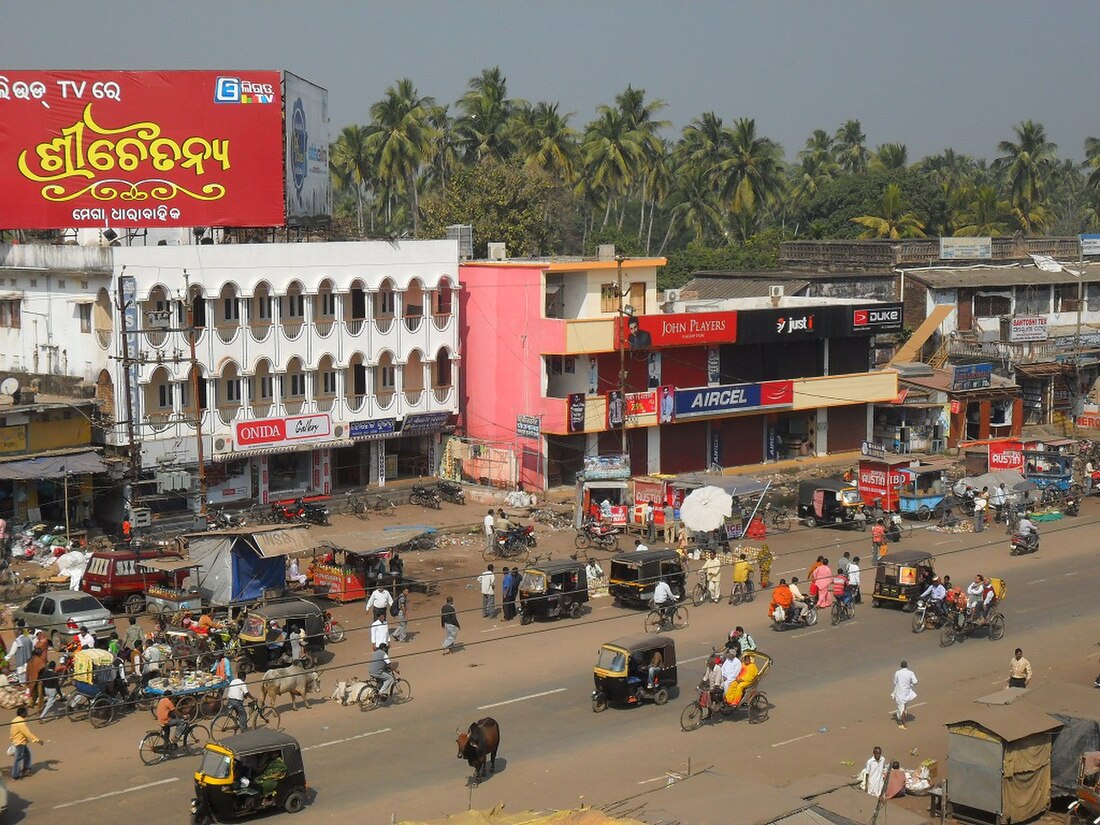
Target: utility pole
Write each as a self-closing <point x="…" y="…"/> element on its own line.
<point x="1077" y="336"/>
<point x="195" y="392"/>
<point x="620" y="333"/>
<point x="135" y="457"/>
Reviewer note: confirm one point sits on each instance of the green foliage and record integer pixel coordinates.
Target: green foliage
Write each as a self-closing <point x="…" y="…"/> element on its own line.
<point x="503" y="202"/>
<point x="761" y="251"/>
<point x="625" y="240"/>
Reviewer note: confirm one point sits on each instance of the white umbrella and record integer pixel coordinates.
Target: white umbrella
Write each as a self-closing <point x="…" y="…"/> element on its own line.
<point x="705" y="509"/>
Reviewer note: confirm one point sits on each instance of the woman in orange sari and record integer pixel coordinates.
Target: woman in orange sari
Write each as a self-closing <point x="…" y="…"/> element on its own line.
<point x="748" y="674"/>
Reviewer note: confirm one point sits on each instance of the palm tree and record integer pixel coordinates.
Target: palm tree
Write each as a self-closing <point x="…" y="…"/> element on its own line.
<point x="485" y="109"/>
<point x="640" y="119"/>
<point x="1091" y="212"/>
<point x="660" y="180"/>
<point x="1027" y="164"/>
<point x="819" y="146"/>
<point x="894" y="222"/>
<point x="851" y="147"/>
<point x="1092" y="160"/>
<point x="983" y="214"/>
<point x="350" y="164"/>
<point x="890" y="157"/>
<point x="445" y="153"/>
<point x="752" y="176"/>
<point x="544" y="140"/>
<point x="948" y="167"/>
<point x="812" y="172"/>
<point x="612" y="155"/>
<point x="403" y="140"/>
<point x="696" y="207"/>
<point x="705" y="142"/>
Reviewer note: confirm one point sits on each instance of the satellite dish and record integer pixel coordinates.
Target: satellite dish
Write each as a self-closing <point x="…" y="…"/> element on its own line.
<point x="10" y="386"/>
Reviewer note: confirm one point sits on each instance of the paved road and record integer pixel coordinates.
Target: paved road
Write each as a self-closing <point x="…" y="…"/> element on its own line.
<point x="829" y="689"/>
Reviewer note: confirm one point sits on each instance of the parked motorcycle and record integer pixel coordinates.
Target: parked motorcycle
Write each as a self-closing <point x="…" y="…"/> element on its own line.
<point x="221" y="520"/>
<point x="451" y="492"/>
<point x="312" y="512"/>
<point x="1024" y="544"/>
<point x="287" y="513"/>
<point x="783" y="619"/>
<point x="425" y="498"/>
<point x="924" y="617"/>
<point x="520" y="533"/>
<point x="594" y="533"/>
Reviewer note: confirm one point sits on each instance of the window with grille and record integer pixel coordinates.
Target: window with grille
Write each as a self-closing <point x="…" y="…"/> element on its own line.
<point x="233" y="389"/>
<point x="387" y="378"/>
<point x="295" y="306"/>
<point x="231" y="311"/>
<point x="609" y="298"/>
<point x="10" y="315"/>
<point x="328" y="383"/>
<point x="328" y="304"/>
<point x="85" y="313"/>
<point x="164" y="396"/>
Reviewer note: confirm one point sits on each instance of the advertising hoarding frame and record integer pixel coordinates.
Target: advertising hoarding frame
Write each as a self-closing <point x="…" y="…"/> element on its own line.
<point x="308" y="183"/>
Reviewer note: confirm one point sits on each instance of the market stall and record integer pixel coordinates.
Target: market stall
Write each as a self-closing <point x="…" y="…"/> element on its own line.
<point x="348" y="574"/>
<point x="164" y="598"/>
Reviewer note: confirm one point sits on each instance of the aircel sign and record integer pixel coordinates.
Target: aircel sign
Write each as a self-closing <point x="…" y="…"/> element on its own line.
<point x="706" y="401"/>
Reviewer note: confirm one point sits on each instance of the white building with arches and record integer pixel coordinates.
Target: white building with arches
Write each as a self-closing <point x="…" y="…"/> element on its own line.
<point x="321" y="366"/>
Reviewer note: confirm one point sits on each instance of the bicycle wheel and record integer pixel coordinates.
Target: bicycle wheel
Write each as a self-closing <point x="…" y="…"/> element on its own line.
<point x="335" y="633"/>
<point x="195" y="740"/>
<point x="653" y="622"/>
<point x="266" y="717"/>
<point x="401" y="692"/>
<point x="490" y="552"/>
<point x="151" y="748"/>
<point x="691" y="718"/>
<point x="187" y="708"/>
<point x="224" y="724"/>
<point x="102" y="712"/>
<point x="838" y="613"/>
<point x="997" y="628"/>
<point x="758" y="709"/>
<point x="385" y="507"/>
<point x="781" y="522"/>
<point x="947" y="635"/>
<point x="737" y="595"/>
<point x="680" y="618"/>
<point x="699" y="595"/>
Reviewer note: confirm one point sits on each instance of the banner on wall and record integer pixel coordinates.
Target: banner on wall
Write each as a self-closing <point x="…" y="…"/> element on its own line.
<point x="308" y="180"/>
<point x="677" y="330"/>
<point x="120" y="149"/>
<point x="666" y="404"/>
<point x="730" y="398"/>
<point x="615" y="411"/>
<point x="641" y="403"/>
<point x="278" y="432"/>
<point x="576" y="412"/>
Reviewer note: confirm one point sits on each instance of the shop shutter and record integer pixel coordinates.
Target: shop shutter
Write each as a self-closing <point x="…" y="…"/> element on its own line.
<point x="847" y="428"/>
<point x="684" y="447"/>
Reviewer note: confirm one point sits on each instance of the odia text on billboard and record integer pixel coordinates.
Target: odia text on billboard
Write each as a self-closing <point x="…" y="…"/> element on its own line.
<point x="730" y="398"/>
<point x="278" y="432"/>
<point x="140" y="149"/>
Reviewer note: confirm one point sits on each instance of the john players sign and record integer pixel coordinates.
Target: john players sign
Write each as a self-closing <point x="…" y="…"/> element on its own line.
<point x="733" y="398"/>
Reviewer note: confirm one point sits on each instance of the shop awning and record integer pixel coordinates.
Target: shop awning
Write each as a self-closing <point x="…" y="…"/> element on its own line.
<point x="376" y="541"/>
<point x="236" y="455"/>
<point x="169" y="565"/>
<point x="734" y="485"/>
<point x="57" y="466"/>
<point x="274" y="543"/>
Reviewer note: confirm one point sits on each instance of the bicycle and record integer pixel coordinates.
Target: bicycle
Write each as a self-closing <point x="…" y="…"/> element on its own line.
<point x="226" y="723"/>
<point x="370" y="698"/>
<point x="661" y="618"/>
<point x="701" y="592"/>
<point x="843" y="609"/>
<point x="190" y="743"/>
<point x="778" y="518"/>
<point x="742" y="592"/>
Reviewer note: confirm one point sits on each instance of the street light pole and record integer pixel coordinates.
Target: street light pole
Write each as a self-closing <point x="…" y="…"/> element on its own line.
<point x="195" y="392"/>
<point x="622" y="350"/>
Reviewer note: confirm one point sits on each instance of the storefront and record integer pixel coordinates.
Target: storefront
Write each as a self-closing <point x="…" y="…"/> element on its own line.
<point x="56" y="489"/>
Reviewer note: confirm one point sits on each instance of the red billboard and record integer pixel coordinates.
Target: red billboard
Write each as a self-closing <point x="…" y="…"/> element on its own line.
<point x="677" y="330"/>
<point x="1006" y="455"/>
<point x="140" y="149"/>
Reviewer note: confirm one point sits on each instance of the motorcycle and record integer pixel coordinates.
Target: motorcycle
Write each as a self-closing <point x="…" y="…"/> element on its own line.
<point x="1024" y="543"/>
<point x="221" y="520"/>
<point x="893" y="528"/>
<point x="451" y="492"/>
<point x="425" y="498"/>
<point x="785" y="620"/>
<point x="312" y="512"/>
<point x="519" y="533"/>
<point x="924" y="618"/>
<point x="594" y="533"/>
<point x="334" y="631"/>
<point x="287" y="513"/>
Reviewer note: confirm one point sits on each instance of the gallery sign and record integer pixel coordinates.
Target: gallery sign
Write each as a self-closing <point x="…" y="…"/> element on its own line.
<point x="140" y="149"/>
<point x="279" y="432"/>
<point x="730" y="398"/>
<point x="679" y="329"/>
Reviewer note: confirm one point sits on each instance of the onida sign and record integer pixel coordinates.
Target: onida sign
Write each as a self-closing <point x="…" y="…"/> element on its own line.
<point x="280" y="432"/>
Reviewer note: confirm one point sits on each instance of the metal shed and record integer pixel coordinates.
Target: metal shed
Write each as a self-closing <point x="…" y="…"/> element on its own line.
<point x="998" y="761"/>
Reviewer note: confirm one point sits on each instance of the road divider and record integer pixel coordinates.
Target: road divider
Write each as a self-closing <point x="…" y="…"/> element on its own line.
<point x="522" y="698"/>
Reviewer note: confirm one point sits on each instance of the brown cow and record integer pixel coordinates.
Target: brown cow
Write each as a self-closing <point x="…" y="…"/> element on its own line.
<point x="293" y="680"/>
<point x="479" y="743"/>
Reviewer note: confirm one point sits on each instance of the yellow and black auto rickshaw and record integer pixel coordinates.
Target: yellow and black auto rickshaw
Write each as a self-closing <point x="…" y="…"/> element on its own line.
<point x="900" y="577"/>
<point x="623" y="671"/>
<point x="267" y="633"/>
<point x="258" y="770"/>
<point x="634" y="575"/>
<point x="552" y="589"/>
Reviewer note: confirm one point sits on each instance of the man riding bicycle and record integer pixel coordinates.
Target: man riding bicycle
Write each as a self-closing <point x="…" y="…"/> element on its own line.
<point x="168" y="718"/>
<point x="382" y="670"/>
<point x="664" y="600"/>
<point x="234" y="700"/>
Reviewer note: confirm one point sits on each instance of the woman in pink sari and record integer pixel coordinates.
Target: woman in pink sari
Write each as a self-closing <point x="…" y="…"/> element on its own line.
<point x="822" y="584"/>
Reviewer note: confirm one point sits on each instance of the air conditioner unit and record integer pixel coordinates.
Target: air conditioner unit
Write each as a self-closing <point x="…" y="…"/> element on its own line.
<point x="498" y="251"/>
<point x="775" y="291"/>
<point x="672" y="296"/>
<point x="222" y="444"/>
<point x="338" y="431"/>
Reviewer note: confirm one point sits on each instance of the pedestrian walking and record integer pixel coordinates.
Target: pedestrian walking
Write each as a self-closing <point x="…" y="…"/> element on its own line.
<point x="712" y="575"/>
<point x="401" y="634"/>
<point x="874" y="773"/>
<point x="981" y="500"/>
<point x="19" y="654"/>
<point x="39" y="654"/>
<point x="650" y="522"/>
<point x="21" y="737"/>
<point x="448" y="619"/>
<point x="1086" y="482"/>
<point x="379" y="633"/>
<point x="1019" y="670"/>
<point x="670" y="525"/>
<point x="853" y="580"/>
<point x="488" y="582"/>
<point x="379" y="601"/>
<point x="489" y="526"/>
<point x="998" y="498"/>
<point x="51" y="685"/>
<point x="904" y="682"/>
<point x="507" y="607"/>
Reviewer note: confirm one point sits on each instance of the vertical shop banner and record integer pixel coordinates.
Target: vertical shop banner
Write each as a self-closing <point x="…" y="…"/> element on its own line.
<point x="614" y="409"/>
<point x="381" y="445"/>
<point x="576" y="412"/>
<point x="666" y="404"/>
<point x="140" y="149"/>
<point x="593" y="376"/>
<point x="714" y="366"/>
<point x="653" y="370"/>
<point x="773" y="443"/>
<point x="715" y="447"/>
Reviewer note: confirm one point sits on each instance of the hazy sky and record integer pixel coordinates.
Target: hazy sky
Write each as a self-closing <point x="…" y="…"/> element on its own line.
<point x="929" y="74"/>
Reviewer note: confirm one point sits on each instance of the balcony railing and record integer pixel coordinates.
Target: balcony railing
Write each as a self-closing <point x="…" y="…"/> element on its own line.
<point x="413" y="322"/>
<point x="442" y="394"/>
<point x="413" y="397"/>
<point x="325" y="404"/>
<point x="384" y="325"/>
<point x="442" y="322"/>
<point x="227" y="413"/>
<point x="384" y="400"/>
<point x="324" y="326"/>
<point x="354" y="326"/>
<point x="1019" y="352"/>
<point x="294" y="406"/>
<point x="227" y="332"/>
<point x="355" y="403"/>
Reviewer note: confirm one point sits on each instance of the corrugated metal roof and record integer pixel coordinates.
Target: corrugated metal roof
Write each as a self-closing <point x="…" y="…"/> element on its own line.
<point x="1011" y="275"/>
<point x="710" y="289"/>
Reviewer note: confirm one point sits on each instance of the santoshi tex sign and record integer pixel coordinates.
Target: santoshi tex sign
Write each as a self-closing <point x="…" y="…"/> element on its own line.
<point x="140" y="149"/>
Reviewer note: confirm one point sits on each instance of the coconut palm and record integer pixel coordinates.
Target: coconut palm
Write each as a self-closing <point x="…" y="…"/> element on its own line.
<point x="813" y="171"/>
<point x="544" y="140"/>
<point x="851" y="147"/>
<point x="445" y="152"/>
<point x="402" y="141"/>
<point x="819" y="146"/>
<point x="983" y="213"/>
<point x="696" y="207"/>
<point x="890" y="157"/>
<point x="752" y="176"/>
<point x="351" y="165"/>
<point x="485" y="110"/>
<point x="660" y="180"/>
<point x="613" y="153"/>
<point x="893" y="222"/>
<point x="1026" y="163"/>
<point x="640" y="119"/>
<point x="705" y="142"/>
<point x="1092" y="161"/>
